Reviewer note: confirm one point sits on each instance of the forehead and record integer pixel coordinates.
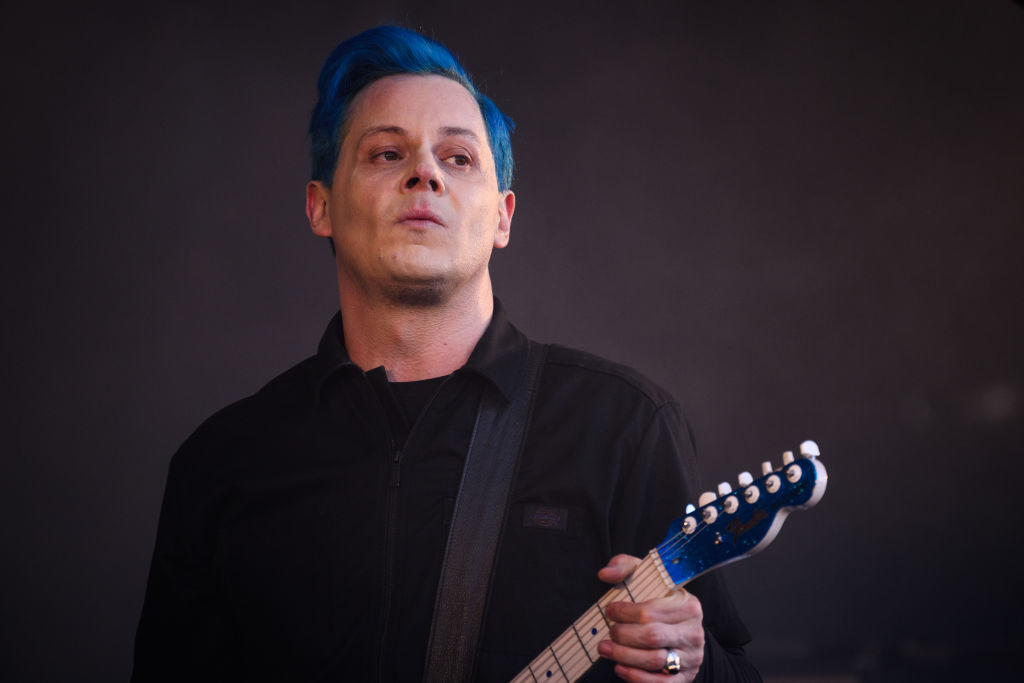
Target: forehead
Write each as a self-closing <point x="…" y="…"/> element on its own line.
<point x="412" y="101"/>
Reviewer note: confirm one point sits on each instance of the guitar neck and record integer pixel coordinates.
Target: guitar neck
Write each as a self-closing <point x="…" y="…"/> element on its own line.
<point x="573" y="653"/>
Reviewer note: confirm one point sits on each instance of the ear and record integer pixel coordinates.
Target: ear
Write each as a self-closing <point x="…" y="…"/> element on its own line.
<point x="506" y="207"/>
<point x="316" y="209"/>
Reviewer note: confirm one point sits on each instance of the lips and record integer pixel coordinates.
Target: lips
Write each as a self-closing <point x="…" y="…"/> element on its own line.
<point x="422" y="217"/>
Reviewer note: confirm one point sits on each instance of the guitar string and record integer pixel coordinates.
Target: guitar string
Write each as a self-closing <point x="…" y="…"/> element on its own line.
<point x="681" y="539"/>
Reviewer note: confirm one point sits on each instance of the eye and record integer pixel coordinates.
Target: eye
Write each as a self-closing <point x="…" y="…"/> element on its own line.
<point x="387" y="155"/>
<point x="460" y="160"/>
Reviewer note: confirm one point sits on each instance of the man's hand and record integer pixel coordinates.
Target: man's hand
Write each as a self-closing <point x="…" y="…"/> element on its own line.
<point x="644" y="632"/>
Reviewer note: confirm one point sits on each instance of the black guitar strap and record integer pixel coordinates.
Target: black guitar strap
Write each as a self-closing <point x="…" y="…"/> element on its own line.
<point x="477" y="523"/>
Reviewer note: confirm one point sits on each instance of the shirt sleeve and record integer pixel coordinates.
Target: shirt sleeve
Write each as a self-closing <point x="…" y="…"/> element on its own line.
<point x="179" y="633"/>
<point x="655" y="489"/>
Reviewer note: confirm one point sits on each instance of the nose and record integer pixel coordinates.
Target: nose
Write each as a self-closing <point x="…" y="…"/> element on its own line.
<point x="425" y="175"/>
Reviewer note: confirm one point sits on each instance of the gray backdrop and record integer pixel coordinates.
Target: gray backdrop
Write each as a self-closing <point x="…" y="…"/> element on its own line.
<point x="803" y="218"/>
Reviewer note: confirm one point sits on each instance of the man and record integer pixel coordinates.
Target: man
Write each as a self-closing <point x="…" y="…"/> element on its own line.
<point x="303" y="528"/>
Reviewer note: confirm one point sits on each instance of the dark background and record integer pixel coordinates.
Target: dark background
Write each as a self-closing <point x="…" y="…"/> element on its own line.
<point x="803" y="218"/>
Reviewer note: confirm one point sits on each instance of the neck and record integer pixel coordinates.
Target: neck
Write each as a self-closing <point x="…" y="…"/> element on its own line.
<point x="414" y="342"/>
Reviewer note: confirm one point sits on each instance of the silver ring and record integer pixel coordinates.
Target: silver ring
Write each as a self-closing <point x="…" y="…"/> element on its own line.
<point x="671" y="663"/>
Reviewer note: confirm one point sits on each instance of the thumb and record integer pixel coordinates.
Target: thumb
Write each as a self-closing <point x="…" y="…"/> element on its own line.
<point x="618" y="568"/>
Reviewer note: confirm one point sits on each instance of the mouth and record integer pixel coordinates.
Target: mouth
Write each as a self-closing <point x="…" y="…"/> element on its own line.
<point x="421" y="218"/>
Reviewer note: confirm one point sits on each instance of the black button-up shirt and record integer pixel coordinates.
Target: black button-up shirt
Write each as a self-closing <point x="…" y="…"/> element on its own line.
<point x="303" y="528"/>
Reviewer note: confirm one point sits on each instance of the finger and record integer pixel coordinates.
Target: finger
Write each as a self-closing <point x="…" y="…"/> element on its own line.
<point x="634" y="675"/>
<point x="674" y="608"/>
<point x="618" y="568"/>
<point x="687" y="635"/>
<point x="649" y="660"/>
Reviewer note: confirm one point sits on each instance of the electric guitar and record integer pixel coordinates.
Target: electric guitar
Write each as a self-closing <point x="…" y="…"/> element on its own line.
<point x="721" y="529"/>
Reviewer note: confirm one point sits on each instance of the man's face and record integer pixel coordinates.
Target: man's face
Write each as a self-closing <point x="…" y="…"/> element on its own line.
<point x="414" y="207"/>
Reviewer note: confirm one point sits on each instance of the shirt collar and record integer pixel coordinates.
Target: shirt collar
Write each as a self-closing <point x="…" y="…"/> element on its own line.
<point x="500" y="354"/>
<point x="497" y="356"/>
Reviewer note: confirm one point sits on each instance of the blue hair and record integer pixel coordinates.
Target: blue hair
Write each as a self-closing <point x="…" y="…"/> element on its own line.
<point x="386" y="51"/>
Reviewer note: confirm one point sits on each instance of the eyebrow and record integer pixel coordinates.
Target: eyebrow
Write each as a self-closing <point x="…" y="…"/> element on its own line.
<point x="463" y="132"/>
<point x="448" y="131"/>
<point x="397" y="130"/>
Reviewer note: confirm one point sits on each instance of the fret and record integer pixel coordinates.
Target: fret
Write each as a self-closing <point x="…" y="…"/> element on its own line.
<point x="662" y="572"/>
<point x="652" y="580"/>
<point x="603" y="615"/>
<point x="625" y="585"/>
<point x="544" y="668"/>
<point x="525" y="676"/>
<point x="582" y="644"/>
<point x="591" y="629"/>
<point x="573" y="660"/>
<point x="560" y="667"/>
<point x="614" y="595"/>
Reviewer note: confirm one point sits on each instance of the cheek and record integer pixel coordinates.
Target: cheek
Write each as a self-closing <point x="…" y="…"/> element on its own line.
<point x="359" y="193"/>
<point x="354" y="216"/>
<point x="485" y="217"/>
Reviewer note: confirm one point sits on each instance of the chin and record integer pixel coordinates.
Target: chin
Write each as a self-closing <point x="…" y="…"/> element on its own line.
<point x="420" y="294"/>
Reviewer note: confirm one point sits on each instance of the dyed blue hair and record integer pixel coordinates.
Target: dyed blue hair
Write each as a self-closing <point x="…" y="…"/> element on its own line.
<point x="386" y="51"/>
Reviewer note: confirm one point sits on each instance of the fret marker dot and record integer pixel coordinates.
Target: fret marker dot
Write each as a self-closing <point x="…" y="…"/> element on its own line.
<point x="548" y="674"/>
<point x="593" y="631"/>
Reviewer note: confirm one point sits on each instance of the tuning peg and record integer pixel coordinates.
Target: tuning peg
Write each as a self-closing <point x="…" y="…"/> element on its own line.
<point x="745" y="479"/>
<point x="724" y="489"/>
<point x="690" y="508"/>
<point x="787" y="458"/>
<point x="706" y="498"/>
<point x="709" y="514"/>
<point x="766" y="467"/>
<point x="751" y="494"/>
<point x="809" y="449"/>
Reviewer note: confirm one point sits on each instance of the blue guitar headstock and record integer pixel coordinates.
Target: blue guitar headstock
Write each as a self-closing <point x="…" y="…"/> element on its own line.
<point x="737" y="524"/>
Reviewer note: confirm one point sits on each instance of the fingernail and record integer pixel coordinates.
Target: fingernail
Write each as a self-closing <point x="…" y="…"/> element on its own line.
<point x="604" y="648"/>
